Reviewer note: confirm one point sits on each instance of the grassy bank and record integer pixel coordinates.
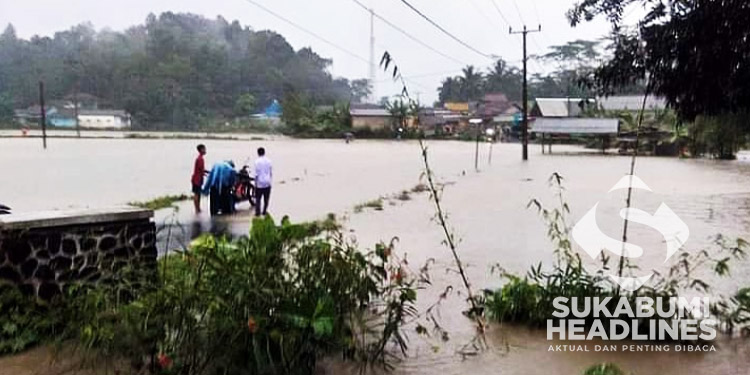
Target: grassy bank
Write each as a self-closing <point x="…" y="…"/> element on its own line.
<point x="162" y="202"/>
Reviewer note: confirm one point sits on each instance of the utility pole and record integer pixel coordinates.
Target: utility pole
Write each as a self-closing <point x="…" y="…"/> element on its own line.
<point x="43" y="114"/>
<point x="75" y="109"/>
<point x="525" y="125"/>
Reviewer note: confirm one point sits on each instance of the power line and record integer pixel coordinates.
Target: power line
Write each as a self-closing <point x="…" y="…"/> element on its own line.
<point x="446" y="32"/>
<point x="324" y="40"/>
<point x="402" y="31"/>
<point x="494" y="3"/>
<point x="536" y="12"/>
<point x="518" y="10"/>
<point x="476" y="7"/>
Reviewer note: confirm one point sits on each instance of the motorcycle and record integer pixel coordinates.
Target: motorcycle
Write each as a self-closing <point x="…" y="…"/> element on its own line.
<point x="244" y="189"/>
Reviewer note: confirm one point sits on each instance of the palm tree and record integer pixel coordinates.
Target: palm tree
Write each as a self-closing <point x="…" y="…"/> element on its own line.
<point x="505" y="79"/>
<point x="450" y="90"/>
<point x="400" y="111"/>
<point x="472" y="83"/>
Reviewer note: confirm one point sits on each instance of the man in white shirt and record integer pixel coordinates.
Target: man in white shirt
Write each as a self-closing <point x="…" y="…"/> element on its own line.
<point x="263" y="177"/>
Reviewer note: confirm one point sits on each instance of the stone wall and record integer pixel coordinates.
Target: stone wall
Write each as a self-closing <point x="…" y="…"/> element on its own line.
<point x="44" y="252"/>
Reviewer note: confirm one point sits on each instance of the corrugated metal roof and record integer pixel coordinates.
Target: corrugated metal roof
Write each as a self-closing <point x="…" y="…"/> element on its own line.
<point x="576" y="125"/>
<point x="370" y="112"/>
<point x="631" y="103"/>
<point x="559" y="107"/>
<point x="103" y="112"/>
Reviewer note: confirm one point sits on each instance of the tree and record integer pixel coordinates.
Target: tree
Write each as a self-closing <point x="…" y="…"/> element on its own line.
<point x="450" y="90"/>
<point x="402" y="110"/>
<point x="298" y="112"/>
<point x="6" y="108"/>
<point x="505" y="79"/>
<point x="245" y="105"/>
<point x="471" y="84"/>
<point x="361" y="90"/>
<point x="174" y="71"/>
<point x="693" y="52"/>
<point x="573" y="55"/>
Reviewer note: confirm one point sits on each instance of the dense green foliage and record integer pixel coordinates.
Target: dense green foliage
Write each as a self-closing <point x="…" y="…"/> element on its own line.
<point x="473" y="84"/>
<point x="693" y="52"/>
<point x="574" y="62"/>
<point x="303" y="119"/>
<point x="273" y="302"/>
<point x="176" y="70"/>
<point x="23" y="322"/>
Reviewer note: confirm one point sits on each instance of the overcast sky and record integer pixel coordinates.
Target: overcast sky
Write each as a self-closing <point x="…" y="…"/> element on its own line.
<point x="343" y="23"/>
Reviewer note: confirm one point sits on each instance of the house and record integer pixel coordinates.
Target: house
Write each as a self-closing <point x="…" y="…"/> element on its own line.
<point x="631" y="103"/>
<point x="85" y="101"/>
<point x="559" y="107"/>
<point x="104" y="119"/>
<point x="442" y="121"/>
<point x="368" y="116"/>
<point x="497" y="108"/>
<point x="61" y="118"/>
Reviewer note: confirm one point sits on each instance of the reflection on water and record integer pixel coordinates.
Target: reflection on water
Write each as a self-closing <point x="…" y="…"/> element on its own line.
<point x="487" y="209"/>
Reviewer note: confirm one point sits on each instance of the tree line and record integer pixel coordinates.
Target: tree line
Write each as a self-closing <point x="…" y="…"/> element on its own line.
<point x="572" y="65"/>
<point x="173" y="71"/>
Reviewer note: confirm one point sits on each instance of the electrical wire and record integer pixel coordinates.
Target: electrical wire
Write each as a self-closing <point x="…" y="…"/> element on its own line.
<point x="303" y="29"/>
<point x="405" y="33"/>
<point x="446" y="32"/>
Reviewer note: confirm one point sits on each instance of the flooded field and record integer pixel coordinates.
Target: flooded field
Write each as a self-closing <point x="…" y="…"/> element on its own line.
<point x="487" y="209"/>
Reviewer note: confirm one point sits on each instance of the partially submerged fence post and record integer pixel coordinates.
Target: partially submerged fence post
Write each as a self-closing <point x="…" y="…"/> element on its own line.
<point x="43" y="118"/>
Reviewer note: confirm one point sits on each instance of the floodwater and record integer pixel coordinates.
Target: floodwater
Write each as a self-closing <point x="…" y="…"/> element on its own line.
<point x="487" y="211"/>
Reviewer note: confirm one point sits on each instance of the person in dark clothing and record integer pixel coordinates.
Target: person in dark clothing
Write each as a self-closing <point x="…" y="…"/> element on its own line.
<point x="219" y="185"/>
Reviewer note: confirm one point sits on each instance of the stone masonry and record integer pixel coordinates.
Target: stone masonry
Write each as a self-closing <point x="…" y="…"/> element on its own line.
<point x="45" y="252"/>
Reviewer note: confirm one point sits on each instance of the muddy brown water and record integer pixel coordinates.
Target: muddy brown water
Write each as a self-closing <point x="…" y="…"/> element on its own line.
<point x="487" y="210"/>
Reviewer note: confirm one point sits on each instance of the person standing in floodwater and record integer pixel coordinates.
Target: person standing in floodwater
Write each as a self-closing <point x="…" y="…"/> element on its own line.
<point x="263" y="177"/>
<point x="199" y="169"/>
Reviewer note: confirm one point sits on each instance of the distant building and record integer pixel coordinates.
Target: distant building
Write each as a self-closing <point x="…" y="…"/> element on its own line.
<point x="104" y="119"/>
<point x="496" y="108"/>
<point x="631" y="103"/>
<point x="369" y="116"/>
<point x="61" y="118"/>
<point x="442" y="121"/>
<point x="559" y="107"/>
<point x="457" y="106"/>
<point x="60" y="113"/>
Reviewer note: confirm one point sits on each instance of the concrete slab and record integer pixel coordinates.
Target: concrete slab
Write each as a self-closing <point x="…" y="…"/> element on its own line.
<point x="58" y="218"/>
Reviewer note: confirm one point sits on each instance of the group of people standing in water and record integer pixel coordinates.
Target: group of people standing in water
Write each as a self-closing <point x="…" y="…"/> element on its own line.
<point x="223" y="184"/>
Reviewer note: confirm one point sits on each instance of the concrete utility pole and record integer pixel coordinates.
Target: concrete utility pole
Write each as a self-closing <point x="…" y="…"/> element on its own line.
<point x="75" y="110"/>
<point x="525" y="125"/>
<point x="43" y="114"/>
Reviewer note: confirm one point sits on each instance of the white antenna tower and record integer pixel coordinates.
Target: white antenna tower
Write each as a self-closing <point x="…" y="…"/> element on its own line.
<point x="373" y="66"/>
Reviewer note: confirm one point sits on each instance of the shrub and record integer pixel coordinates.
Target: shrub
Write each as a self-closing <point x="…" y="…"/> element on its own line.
<point x="604" y="369"/>
<point x="23" y="322"/>
<point x="273" y="302"/>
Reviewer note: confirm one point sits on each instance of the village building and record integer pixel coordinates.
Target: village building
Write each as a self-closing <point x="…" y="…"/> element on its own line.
<point x="560" y="107"/>
<point x="369" y="116"/>
<point x="104" y="119"/>
<point x="631" y="103"/>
